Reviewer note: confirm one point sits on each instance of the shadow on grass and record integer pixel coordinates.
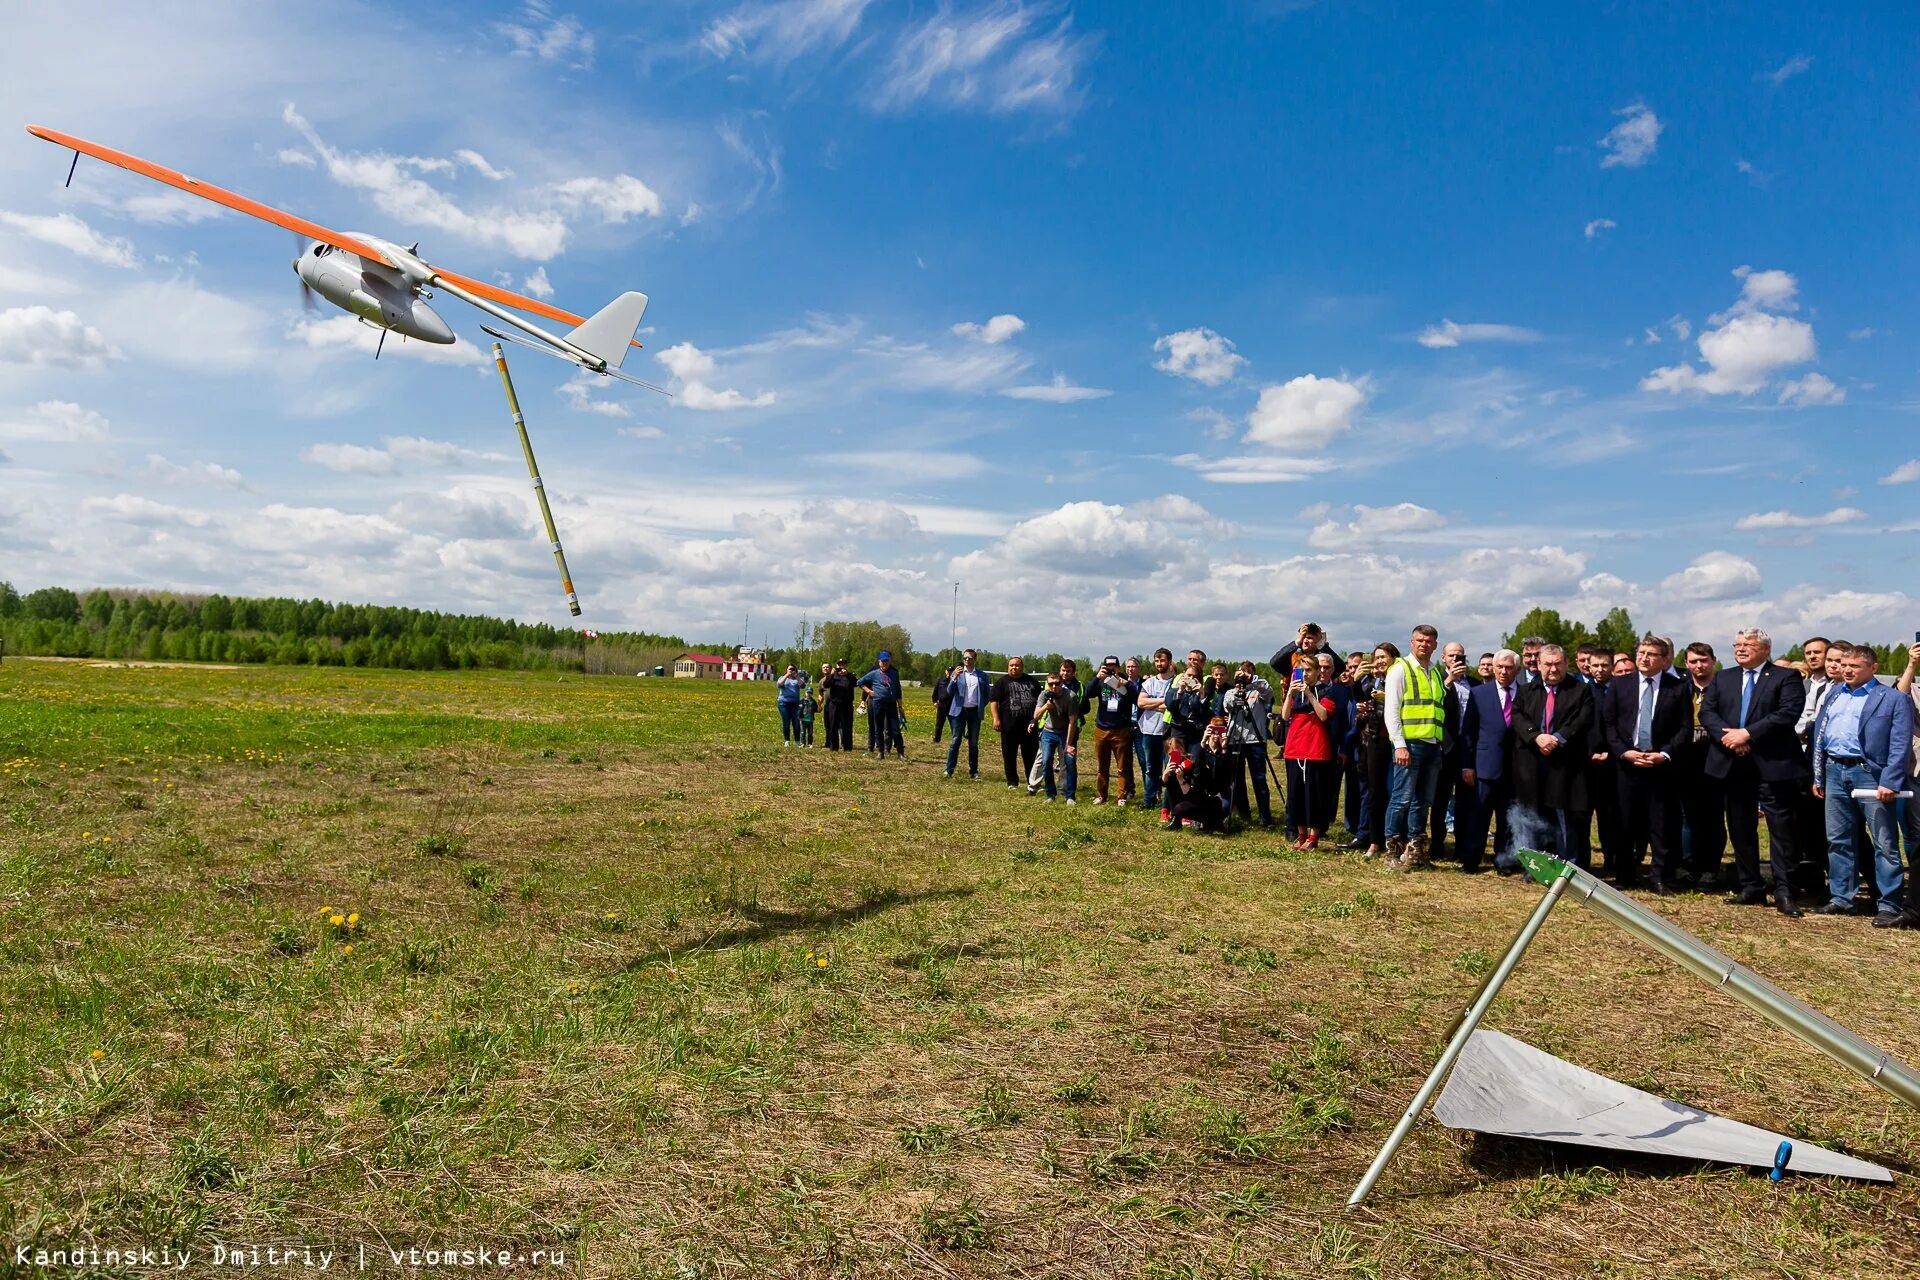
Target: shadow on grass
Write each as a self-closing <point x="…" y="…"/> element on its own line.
<point x="1502" y="1156"/>
<point x="771" y="922"/>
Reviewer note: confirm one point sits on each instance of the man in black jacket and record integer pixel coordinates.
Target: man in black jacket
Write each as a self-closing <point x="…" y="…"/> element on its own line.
<point x="1552" y="723"/>
<point x="1749" y="713"/>
<point x="1649" y="724"/>
<point x="1460" y="683"/>
<point x="837" y="690"/>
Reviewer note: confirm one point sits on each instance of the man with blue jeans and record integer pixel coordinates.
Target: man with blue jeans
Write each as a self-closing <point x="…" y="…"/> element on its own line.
<point x="883" y="706"/>
<point x="1863" y="742"/>
<point x="966" y="703"/>
<point x="1151" y="731"/>
<point x="1416" y="710"/>
<point x="1058" y="716"/>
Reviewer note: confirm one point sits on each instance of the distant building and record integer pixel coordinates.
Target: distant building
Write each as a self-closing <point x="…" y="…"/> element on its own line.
<point x="746" y="664"/>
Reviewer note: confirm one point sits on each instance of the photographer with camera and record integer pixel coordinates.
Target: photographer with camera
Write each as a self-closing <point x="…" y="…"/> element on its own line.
<point x="1057" y="718"/>
<point x="1113" y="699"/>
<point x="1196" y="786"/>
<point x="1308" y="643"/>
<point x="1190" y="702"/>
<point x="1245" y="704"/>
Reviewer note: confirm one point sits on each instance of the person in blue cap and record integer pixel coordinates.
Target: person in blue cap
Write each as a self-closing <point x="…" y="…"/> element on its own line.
<point x="883" y="706"/>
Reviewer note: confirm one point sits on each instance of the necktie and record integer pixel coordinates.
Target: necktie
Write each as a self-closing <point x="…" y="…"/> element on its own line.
<point x="1643" y="734"/>
<point x="1506" y="705"/>
<point x="1746" y="697"/>
<point x="1546" y="721"/>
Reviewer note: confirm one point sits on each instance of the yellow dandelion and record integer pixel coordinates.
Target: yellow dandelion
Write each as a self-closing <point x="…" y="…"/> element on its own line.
<point x="347" y="949"/>
<point x="106" y="839"/>
<point x="336" y="920"/>
<point x="86" y="835"/>
<point x="353" y="918"/>
<point x="822" y="962"/>
<point x="326" y="911"/>
<point x="98" y="1054"/>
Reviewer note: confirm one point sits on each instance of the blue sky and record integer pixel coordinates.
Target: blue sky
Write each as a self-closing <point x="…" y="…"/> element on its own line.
<point x="1148" y="324"/>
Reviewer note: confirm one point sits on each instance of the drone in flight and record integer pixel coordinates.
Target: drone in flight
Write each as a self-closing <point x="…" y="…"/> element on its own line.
<point x="387" y="286"/>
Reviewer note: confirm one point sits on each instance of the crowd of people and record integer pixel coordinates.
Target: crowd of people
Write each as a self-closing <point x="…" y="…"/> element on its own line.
<point x="1661" y="761"/>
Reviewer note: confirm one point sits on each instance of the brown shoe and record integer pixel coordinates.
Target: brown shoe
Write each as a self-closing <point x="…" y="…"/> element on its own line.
<point x="1416" y="854"/>
<point x="1396" y="853"/>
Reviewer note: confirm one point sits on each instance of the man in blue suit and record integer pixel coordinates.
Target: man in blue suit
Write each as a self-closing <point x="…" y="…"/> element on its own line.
<point x="1863" y="741"/>
<point x="1486" y="745"/>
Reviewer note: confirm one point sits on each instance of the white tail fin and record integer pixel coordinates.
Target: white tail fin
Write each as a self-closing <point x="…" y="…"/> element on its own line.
<point x="607" y="332"/>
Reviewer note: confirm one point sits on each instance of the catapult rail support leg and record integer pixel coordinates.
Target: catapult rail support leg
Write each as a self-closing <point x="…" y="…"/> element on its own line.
<point x="1463" y="1029"/>
<point x="539" y="488"/>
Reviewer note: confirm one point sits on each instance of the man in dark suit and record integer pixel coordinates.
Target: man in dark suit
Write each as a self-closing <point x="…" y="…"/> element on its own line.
<point x="1459" y="681"/>
<point x="1749" y="713"/>
<point x="1603" y="787"/>
<point x="1649" y="723"/>
<point x="1486" y="750"/>
<point x="1703" y="802"/>
<point x="1552" y="721"/>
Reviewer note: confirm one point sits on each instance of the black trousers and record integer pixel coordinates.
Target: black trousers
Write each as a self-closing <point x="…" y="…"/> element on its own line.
<point x="1351" y="809"/>
<point x="1202" y="807"/>
<point x="1748" y="797"/>
<point x="1019" y="744"/>
<point x="1379" y="766"/>
<point x="1703" y="806"/>
<point x="1449" y="787"/>
<point x="1253" y="773"/>
<point x="839" y="726"/>
<point x="1650" y="821"/>
<point x="883" y="722"/>
<point x="1603" y="786"/>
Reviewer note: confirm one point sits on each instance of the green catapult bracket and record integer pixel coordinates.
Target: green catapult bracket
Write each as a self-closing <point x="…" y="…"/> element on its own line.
<point x="1544" y="867"/>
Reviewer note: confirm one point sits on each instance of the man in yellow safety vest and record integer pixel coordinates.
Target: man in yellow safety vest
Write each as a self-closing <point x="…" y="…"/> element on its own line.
<point x="1416" y="709"/>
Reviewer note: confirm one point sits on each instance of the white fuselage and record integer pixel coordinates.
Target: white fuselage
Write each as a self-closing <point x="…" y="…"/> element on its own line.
<point x="373" y="291"/>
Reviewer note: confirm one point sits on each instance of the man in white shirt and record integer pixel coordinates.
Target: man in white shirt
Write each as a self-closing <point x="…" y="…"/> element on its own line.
<point x="966" y="703"/>
<point x="1152" y="725"/>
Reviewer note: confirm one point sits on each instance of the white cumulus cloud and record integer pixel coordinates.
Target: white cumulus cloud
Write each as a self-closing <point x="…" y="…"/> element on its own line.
<point x="1198" y="354"/>
<point x="60" y="421"/>
<point x="1595" y="227"/>
<point x="64" y="231"/>
<point x="1906" y="473"/>
<point x="164" y="469"/>
<point x="1748" y="343"/>
<point x="1631" y="143"/>
<point x="692" y="368"/>
<point x="1305" y="414"/>
<point x="1717" y="575"/>
<point x="49" y="339"/>
<point x="1813" y="389"/>
<point x="994" y="332"/>
<point x="1371" y="525"/>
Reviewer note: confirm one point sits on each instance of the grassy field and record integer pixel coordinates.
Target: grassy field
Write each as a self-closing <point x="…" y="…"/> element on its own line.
<point x="617" y="974"/>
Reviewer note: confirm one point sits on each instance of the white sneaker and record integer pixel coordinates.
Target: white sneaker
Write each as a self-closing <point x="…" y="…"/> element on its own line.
<point x="1070" y="800"/>
<point x="1099" y="799"/>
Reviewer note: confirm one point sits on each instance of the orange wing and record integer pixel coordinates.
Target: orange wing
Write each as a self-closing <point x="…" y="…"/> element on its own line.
<point x="207" y="191"/>
<point x="266" y="213"/>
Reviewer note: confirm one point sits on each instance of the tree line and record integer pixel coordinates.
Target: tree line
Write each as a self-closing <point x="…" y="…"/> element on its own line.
<point x="160" y="626"/>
